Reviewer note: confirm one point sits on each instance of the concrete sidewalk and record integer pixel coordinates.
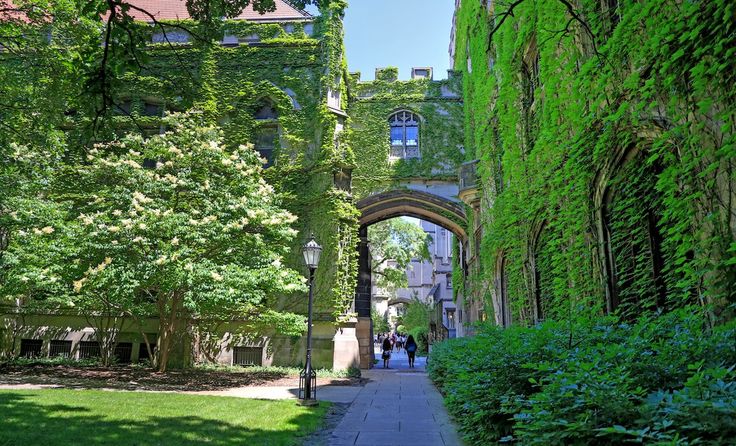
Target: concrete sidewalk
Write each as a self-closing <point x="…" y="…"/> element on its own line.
<point x="335" y="394"/>
<point x="398" y="407"/>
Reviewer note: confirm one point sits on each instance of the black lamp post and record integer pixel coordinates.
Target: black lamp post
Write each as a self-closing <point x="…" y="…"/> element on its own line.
<point x="308" y="377"/>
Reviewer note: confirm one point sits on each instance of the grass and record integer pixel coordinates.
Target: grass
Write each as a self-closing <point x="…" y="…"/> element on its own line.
<point x="93" y="417"/>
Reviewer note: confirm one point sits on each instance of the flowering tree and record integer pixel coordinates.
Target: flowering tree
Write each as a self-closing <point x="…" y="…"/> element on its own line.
<point x="176" y="225"/>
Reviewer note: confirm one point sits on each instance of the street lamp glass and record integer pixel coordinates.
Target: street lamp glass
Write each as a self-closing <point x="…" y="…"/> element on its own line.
<point x="311" y="252"/>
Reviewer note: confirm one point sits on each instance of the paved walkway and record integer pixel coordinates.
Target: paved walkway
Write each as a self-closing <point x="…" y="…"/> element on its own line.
<point x="335" y="394"/>
<point x="398" y="407"/>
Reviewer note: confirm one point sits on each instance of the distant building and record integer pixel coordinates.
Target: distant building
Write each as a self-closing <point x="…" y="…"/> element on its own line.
<point x="429" y="282"/>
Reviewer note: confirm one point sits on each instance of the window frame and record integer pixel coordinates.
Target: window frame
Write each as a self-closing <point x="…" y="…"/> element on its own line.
<point x="403" y="120"/>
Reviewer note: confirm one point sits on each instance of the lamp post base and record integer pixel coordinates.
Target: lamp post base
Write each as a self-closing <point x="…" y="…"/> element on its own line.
<point x="307" y="403"/>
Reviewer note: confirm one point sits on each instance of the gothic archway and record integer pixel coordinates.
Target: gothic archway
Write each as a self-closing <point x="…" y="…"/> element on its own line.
<point x="436" y="209"/>
<point x="412" y="203"/>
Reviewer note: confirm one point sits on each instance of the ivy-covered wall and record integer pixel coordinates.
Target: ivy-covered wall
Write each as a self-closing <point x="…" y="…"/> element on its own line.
<point x="440" y="108"/>
<point x="605" y="135"/>
<point x="292" y="72"/>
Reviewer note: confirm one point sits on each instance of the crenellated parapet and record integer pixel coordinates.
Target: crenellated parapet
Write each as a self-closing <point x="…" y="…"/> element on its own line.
<point x="421" y="82"/>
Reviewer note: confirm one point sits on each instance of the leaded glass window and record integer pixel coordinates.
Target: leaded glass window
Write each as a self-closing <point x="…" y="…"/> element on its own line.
<point x="265" y="143"/>
<point x="404" y="135"/>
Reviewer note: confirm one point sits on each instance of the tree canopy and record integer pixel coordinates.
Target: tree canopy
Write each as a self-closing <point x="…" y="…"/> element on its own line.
<point x="394" y="244"/>
<point x="175" y="225"/>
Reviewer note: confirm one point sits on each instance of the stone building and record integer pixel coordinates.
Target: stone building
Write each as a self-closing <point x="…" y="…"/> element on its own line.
<point x="578" y="173"/>
<point x="583" y="145"/>
<point x="279" y="80"/>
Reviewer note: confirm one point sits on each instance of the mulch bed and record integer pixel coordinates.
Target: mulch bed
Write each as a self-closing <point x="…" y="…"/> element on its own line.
<point x="140" y="378"/>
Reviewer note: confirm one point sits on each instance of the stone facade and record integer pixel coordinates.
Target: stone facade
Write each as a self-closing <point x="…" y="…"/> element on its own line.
<point x="279" y="81"/>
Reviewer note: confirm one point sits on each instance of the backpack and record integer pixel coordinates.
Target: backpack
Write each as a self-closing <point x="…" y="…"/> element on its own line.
<point x="411" y="348"/>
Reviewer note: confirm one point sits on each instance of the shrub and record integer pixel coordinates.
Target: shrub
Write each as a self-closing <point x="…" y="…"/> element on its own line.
<point x="663" y="380"/>
<point x="421" y="336"/>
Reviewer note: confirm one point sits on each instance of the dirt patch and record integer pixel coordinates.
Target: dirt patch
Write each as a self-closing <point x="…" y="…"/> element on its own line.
<point x="333" y="417"/>
<point x="140" y="378"/>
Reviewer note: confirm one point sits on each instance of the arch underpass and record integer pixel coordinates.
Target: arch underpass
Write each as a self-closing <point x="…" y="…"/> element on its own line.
<point x="439" y="206"/>
<point x="427" y="206"/>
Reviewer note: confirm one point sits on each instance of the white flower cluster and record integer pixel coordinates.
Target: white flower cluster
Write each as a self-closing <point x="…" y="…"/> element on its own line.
<point x="214" y="146"/>
<point x="171" y="179"/>
<point x="206" y="220"/>
<point x="140" y="198"/>
<point x="45" y="230"/>
<point x="176" y="151"/>
<point x="131" y="163"/>
<point x="291" y="286"/>
<point x="264" y="189"/>
<point x="78" y="284"/>
<point x="99" y="268"/>
<point x="237" y="225"/>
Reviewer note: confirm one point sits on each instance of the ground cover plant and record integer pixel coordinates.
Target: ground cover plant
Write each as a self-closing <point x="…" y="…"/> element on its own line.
<point x="134" y="418"/>
<point x="90" y="374"/>
<point x="665" y="380"/>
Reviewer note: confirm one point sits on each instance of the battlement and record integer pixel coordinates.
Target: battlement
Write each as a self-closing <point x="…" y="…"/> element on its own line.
<point x="391" y="74"/>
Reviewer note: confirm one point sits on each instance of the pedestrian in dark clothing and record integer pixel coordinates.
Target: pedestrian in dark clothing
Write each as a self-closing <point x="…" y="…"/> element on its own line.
<point x="411" y="349"/>
<point x="386" y="355"/>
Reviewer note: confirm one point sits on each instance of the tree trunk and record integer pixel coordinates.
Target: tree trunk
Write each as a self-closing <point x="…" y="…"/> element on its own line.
<point x="148" y="347"/>
<point x="169" y="306"/>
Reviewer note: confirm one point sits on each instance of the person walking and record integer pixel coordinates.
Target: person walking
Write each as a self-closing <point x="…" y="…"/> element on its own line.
<point x="411" y="349"/>
<point x="386" y="355"/>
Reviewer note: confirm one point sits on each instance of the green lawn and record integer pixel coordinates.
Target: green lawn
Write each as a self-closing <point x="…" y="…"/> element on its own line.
<point x="92" y="417"/>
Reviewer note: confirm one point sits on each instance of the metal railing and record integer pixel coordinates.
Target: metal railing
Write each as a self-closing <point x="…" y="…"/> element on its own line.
<point x="123" y="352"/>
<point x="30" y="348"/>
<point x="247" y="356"/>
<point x="60" y="348"/>
<point x="89" y="349"/>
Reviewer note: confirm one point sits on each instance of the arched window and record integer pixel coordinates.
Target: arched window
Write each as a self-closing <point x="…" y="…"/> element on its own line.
<point x="265" y="109"/>
<point x="266" y="138"/>
<point x="635" y="251"/>
<point x="502" y="292"/>
<point x="267" y="130"/>
<point x="545" y="250"/>
<point x="404" y="135"/>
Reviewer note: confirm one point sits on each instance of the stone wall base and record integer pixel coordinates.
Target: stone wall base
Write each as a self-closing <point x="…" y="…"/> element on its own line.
<point x="364" y="333"/>
<point x="346" y="349"/>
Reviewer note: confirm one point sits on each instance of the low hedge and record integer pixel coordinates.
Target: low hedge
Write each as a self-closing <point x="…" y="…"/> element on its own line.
<point x="661" y="380"/>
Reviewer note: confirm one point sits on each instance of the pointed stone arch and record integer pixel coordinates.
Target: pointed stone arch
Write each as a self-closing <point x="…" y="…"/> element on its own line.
<point x="438" y="209"/>
<point x="412" y="203"/>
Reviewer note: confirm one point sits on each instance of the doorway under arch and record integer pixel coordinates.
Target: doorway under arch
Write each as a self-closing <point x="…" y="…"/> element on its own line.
<point x="441" y="211"/>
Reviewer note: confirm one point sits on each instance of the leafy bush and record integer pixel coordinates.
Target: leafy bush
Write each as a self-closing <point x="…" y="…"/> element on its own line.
<point x="53" y="361"/>
<point x="351" y="372"/>
<point x="664" y="380"/>
<point x="421" y="336"/>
